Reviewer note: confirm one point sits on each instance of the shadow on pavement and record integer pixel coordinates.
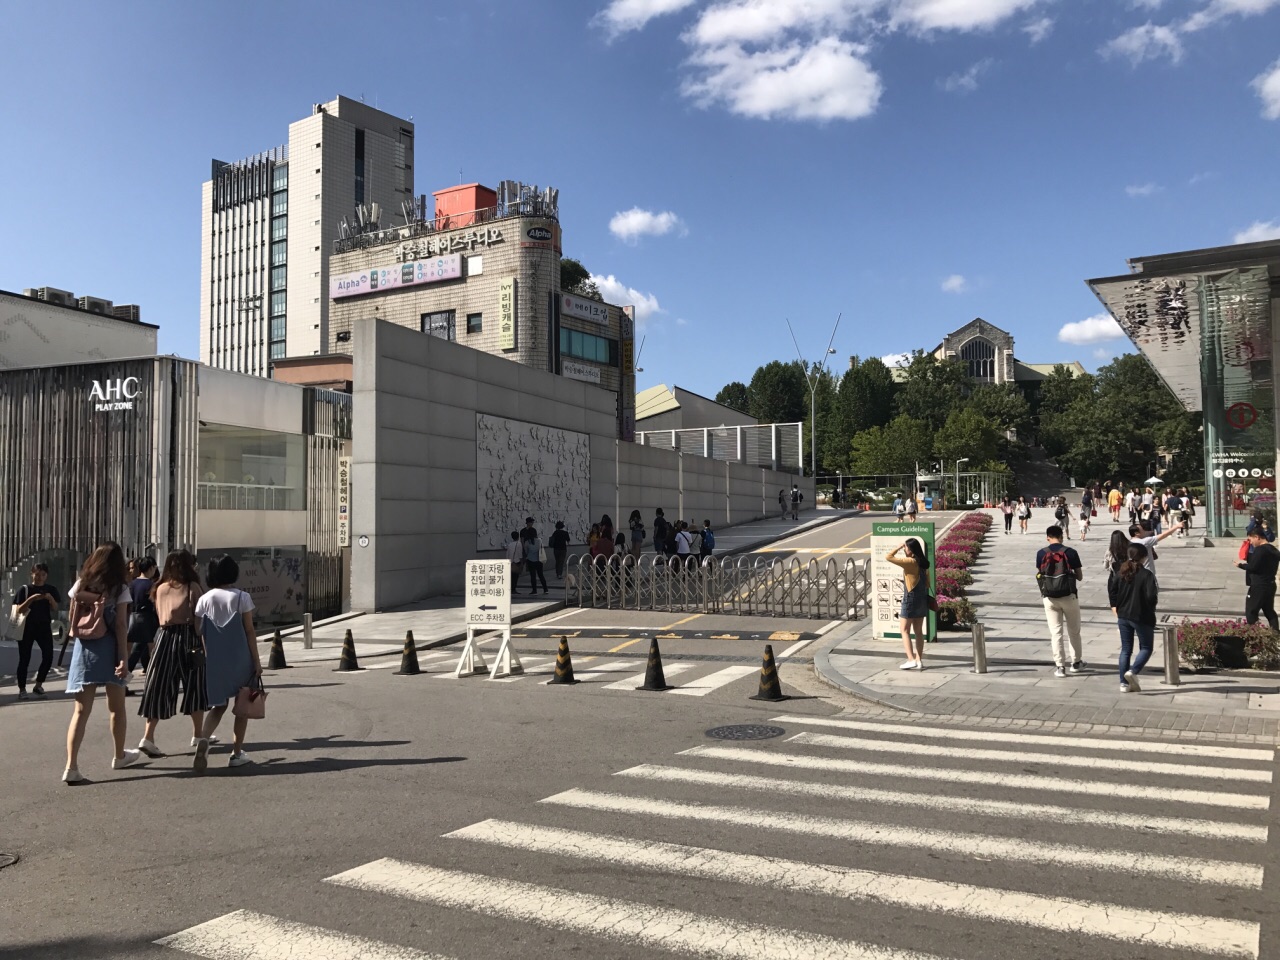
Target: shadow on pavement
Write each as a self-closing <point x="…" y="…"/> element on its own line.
<point x="89" y="948"/>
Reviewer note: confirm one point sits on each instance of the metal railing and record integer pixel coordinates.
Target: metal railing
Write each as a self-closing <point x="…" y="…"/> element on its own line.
<point x="751" y="584"/>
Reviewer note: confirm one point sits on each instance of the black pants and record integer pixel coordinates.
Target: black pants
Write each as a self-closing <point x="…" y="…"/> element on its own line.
<point x="1008" y="522"/>
<point x="561" y="553"/>
<point x="1261" y="599"/>
<point x="139" y="653"/>
<point x="29" y="639"/>
<point x="535" y="574"/>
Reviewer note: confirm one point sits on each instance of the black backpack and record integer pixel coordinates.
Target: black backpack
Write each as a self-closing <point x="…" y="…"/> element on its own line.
<point x="1055" y="576"/>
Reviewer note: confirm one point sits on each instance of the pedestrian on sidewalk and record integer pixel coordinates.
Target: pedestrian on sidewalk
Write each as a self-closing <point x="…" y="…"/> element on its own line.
<point x="684" y="545"/>
<point x="1132" y="593"/>
<point x="178" y="660"/>
<point x="1058" y="571"/>
<point x="912" y="509"/>
<point x="98" y="618"/>
<point x="515" y="553"/>
<point x="1023" y="513"/>
<point x="660" y="526"/>
<point x="635" y="524"/>
<point x="143" y="625"/>
<point x="1086" y="518"/>
<point x="231" y="656"/>
<point x="782" y="503"/>
<point x="899" y="507"/>
<point x="1260" y="574"/>
<point x="533" y="555"/>
<point x="1117" y="552"/>
<point x="1006" y="507"/>
<point x="36" y="602"/>
<point x="1143" y="534"/>
<point x="1114" y="500"/>
<point x="1188" y="511"/>
<point x="1062" y="513"/>
<point x="708" y="540"/>
<point x="796" y="498"/>
<point x="559" y="541"/>
<point x="915" y="599"/>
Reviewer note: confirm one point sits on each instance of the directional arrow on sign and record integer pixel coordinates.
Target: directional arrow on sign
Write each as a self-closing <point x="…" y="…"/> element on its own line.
<point x="486" y="607"/>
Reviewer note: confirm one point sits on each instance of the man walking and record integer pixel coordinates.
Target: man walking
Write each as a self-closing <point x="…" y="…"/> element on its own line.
<point x="1114" y="499"/>
<point x="1058" y="570"/>
<point x="796" y="497"/>
<point x="1260" y="573"/>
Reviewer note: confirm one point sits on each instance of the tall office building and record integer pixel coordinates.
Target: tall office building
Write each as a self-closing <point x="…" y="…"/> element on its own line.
<point x="268" y="223"/>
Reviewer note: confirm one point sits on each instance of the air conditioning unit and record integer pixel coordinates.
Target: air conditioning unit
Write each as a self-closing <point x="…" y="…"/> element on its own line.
<point x="96" y="305"/>
<point x="128" y="311"/>
<point x="64" y="298"/>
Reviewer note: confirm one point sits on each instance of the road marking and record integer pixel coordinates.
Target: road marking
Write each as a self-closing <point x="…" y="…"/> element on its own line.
<point x="829" y="627"/>
<point x="561" y="616"/>
<point x="620" y="921"/>
<point x="630" y="683"/>
<point x="1110" y="819"/>
<point x="712" y="681"/>
<point x="726" y="636"/>
<point x="623" y="646"/>
<point x="245" y="935"/>
<point x="796" y="648"/>
<point x="1193" y="870"/>
<point x="1208" y="798"/>
<point x="1073" y="743"/>
<point x="1029" y="756"/>
<point x="1235" y="938"/>
<point x="685" y="620"/>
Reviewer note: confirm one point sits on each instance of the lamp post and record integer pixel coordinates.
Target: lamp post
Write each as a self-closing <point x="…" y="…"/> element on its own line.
<point x="812" y="378"/>
<point x="958" y="462"/>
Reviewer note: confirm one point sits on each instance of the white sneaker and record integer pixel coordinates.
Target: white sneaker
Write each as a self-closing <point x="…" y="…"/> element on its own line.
<point x="149" y="748"/>
<point x="201" y="762"/>
<point x="70" y="776"/>
<point x="195" y="741"/>
<point x="909" y="665"/>
<point x="919" y="664"/>
<point x="1132" y="681"/>
<point x="239" y="759"/>
<point x="130" y="757"/>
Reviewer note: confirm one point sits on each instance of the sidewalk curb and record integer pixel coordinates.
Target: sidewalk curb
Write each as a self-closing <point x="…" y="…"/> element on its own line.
<point x="826" y="673"/>
<point x="813" y="524"/>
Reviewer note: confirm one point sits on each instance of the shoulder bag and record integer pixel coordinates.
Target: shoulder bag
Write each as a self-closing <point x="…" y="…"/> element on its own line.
<point x="251" y="701"/>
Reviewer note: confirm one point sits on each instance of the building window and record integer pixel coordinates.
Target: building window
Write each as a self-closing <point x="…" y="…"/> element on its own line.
<point x="475" y="322"/>
<point x="278" y="326"/>
<point x="246" y="469"/>
<point x="359" y="166"/>
<point x="980" y="355"/>
<point x="280" y="178"/>
<point x="587" y="346"/>
<point x="277" y="350"/>
<point x="439" y="324"/>
<point x="279" y="228"/>
<point x="278" y="304"/>
<point x="279" y="252"/>
<point x="279" y="204"/>
<point x="278" y="276"/>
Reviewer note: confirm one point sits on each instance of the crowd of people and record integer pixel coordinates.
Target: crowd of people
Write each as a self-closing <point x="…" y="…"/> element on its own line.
<point x="196" y="645"/>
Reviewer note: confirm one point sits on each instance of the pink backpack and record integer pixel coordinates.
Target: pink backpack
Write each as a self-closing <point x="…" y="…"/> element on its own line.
<point x="88" y="615"/>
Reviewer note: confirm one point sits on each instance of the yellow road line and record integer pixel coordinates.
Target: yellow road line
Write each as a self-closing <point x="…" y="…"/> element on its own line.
<point x="685" y="620"/>
<point x="623" y="646"/>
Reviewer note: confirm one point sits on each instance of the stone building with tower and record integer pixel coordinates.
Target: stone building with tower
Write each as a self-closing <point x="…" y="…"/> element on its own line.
<point x="988" y="352"/>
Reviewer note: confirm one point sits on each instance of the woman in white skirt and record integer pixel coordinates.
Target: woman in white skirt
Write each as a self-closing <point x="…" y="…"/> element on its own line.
<point x="231" y="654"/>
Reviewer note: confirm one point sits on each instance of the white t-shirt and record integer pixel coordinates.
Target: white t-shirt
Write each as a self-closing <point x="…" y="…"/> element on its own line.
<point x="123" y="597"/>
<point x="1150" y="544"/>
<point x="684" y="540"/>
<point x="222" y="604"/>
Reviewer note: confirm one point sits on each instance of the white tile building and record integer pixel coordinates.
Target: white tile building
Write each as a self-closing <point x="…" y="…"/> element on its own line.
<point x="268" y="223"/>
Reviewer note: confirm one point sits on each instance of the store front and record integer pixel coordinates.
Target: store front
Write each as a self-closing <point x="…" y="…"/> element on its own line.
<point x="1206" y="320"/>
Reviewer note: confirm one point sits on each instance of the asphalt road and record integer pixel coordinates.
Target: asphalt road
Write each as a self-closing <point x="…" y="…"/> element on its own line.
<point x="401" y="817"/>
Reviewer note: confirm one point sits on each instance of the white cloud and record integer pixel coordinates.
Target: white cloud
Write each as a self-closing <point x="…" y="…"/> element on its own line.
<point x="896" y="360"/>
<point x="1267" y="84"/>
<point x="955" y="284"/>
<point x="1037" y="30"/>
<point x="630" y="225"/>
<point x="1147" y="42"/>
<point x="826" y="80"/>
<point x="967" y="82"/>
<point x="1259" y="230"/>
<point x="1143" y="189"/>
<point x="615" y="291"/>
<point x="1096" y="329"/>
<point x="1199" y="178"/>
<point x="1102" y="353"/>
<point x="621" y="16"/>
<point x="1217" y="10"/>
<point x="961" y="15"/>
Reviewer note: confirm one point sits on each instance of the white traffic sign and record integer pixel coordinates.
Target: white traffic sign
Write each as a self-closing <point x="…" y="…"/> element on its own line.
<point x="489" y="593"/>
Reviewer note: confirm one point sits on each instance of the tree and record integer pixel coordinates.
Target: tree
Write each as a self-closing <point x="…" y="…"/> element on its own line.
<point x="576" y="279"/>
<point x="1003" y="405"/>
<point x="932" y="388"/>
<point x="778" y="393"/>
<point x="894" y="448"/>
<point x="735" y="395"/>
<point x="967" y="433"/>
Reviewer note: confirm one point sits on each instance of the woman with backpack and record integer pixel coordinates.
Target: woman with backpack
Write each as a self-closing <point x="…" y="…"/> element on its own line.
<point x="1133" y="593"/>
<point x="231" y="655"/>
<point x="98" y="619"/>
<point x="636" y="524"/>
<point x="143" y="624"/>
<point x="533" y="557"/>
<point x="915" y="599"/>
<point x="179" y="658"/>
<point x="1023" y="513"/>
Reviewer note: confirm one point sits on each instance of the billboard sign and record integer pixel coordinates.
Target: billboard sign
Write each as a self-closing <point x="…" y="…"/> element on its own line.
<point x="410" y="274"/>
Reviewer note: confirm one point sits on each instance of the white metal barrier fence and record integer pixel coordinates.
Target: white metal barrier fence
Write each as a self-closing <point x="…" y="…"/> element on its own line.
<point x="751" y="584"/>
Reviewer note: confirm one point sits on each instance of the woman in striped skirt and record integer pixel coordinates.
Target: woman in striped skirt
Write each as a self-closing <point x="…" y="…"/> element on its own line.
<point x="179" y="658"/>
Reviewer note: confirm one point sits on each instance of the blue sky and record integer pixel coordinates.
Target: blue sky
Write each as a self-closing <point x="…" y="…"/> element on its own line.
<point x="725" y="165"/>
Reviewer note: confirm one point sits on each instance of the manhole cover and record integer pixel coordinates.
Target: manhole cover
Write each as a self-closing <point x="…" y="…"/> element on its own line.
<point x="8" y="859"/>
<point x="745" y="731"/>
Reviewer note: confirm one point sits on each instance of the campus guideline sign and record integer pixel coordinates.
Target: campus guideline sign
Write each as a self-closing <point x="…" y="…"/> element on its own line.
<point x="886" y="578"/>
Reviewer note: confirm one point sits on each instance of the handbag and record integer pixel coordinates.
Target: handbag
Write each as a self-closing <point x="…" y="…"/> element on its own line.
<point x="251" y="701"/>
<point x="542" y="553"/>
<point x="15" y="623"/>
<point x="933" y="603"/>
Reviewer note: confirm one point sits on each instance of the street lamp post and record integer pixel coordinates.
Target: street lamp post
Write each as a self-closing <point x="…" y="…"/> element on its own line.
<point x="958" y="462"/>
<point x="812" y="378"/>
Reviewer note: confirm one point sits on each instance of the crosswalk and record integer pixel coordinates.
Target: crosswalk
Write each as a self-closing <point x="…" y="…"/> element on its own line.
<point x="976" y="843"/>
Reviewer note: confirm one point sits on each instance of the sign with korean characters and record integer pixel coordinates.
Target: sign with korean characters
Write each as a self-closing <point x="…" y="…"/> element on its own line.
<point x="581" y="308"/>
<point x="507" y="314"/>
<point x="388" y="278"/>
<point x="344" y="501"/>
<point x="488" y="593"/>
<point x="886" y="577"/>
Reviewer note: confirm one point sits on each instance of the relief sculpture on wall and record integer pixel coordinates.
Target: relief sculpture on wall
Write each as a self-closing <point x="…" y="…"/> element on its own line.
<point x="528" y="470"/>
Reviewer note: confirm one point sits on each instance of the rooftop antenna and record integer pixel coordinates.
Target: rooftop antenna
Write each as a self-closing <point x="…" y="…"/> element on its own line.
<point x="639" y="354"/>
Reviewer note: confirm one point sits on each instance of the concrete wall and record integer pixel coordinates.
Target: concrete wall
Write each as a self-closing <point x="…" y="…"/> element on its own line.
<point x="38" y="334"/>
<point x="415" y="485"/>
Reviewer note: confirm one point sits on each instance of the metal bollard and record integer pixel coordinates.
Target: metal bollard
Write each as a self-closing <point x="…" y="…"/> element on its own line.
<point x="1171" y="675"/>
<point x="306" y="631"/>
<point x="979" y="648"/>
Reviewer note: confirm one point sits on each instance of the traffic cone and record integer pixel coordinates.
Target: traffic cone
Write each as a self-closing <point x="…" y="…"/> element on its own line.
<point x="275" y="661"/>
<point x="564" y="665"/>
<point x="770" y="689"/>
<point x="409" y="659"/>
<point x="654" y="679"/>
<point x="348" y="661"/>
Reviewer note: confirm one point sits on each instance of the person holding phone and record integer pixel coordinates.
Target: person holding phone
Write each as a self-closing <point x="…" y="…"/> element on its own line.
<point x="915" y="599"/>
<point x="37" y="602"/>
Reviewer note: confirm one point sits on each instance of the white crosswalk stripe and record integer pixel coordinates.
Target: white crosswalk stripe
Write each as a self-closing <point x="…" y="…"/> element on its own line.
<point x="708" y="676"/>
<point x="630" y="683"/>
<point x="245" y="935"/>
<point x="713" y="681"/>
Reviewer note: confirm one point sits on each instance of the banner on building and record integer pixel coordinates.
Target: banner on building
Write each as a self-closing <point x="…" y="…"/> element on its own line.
<point x="507" y="314"/>
<point x="581" y="308"/>
<point x="344" y="501"/>
<point x="409" y="274"/>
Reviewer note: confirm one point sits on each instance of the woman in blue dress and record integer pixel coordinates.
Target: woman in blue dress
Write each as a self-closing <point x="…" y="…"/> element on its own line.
<point x="98" y="618"/>
<point x="231" y="654"/>
<point x="915" y="599"/>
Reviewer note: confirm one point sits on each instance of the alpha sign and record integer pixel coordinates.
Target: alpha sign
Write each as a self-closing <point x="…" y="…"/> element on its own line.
<point x="117" y="394"/>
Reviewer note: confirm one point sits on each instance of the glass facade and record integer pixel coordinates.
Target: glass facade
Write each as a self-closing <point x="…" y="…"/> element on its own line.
<point x="588" y="346"/>
<point x="245" y="469"/>
<point x="440" y="324"/>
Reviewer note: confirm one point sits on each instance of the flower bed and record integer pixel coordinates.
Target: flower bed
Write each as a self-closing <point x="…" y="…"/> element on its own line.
<point x="956" y="551"/>
<point x="955" y="612"/>
<point x="1198" y="643"/>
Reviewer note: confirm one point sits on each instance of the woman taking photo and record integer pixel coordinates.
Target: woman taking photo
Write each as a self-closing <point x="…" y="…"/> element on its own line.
<point x="98" y="619"/>
<point x="1023" y="513"/>
<point x="231" y="655"/>
<point x="1132" y="593"/>
<point x="178" y="660"/>
<point x="915" y="599"/>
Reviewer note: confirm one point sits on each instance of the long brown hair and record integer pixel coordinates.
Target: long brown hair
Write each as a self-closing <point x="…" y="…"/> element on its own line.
<point x="104" y="572"/>
<point x="179" y="569"/>
<point x="1134" y="561"/>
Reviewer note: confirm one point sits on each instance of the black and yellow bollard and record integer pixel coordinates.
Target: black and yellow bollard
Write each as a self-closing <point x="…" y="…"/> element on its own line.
<point x="275" y="661"/>
<point x="770" y="688"/>
<point x="654" y="678"/>
<point x="409" y="659"/>
<point x="348" y="661"/>
<point x="564" y="665"/>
